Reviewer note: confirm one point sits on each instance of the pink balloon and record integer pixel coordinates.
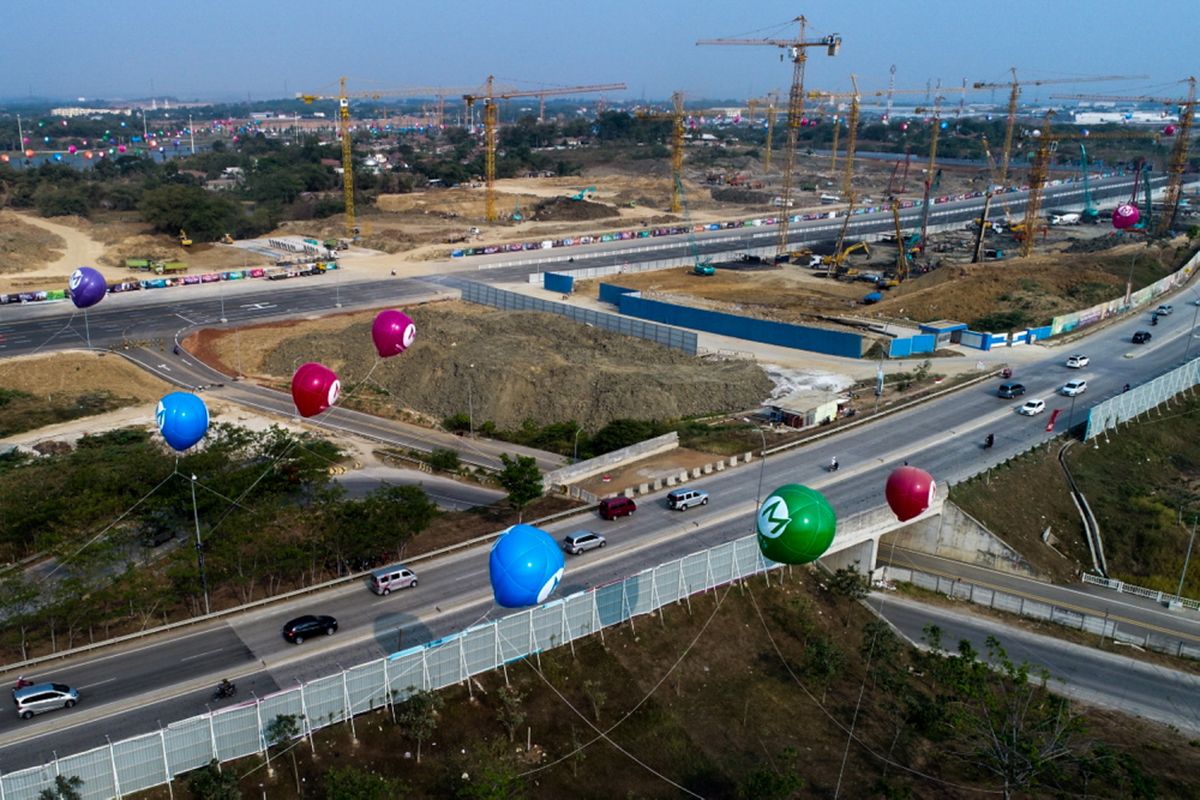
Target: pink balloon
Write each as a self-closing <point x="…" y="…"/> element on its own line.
<point x="393" y="332"/>
<point x="120" y="148"/>
<point x="72" y="149"/>
<point x="1126" y="216"/>
<point x="1169" y="130"/>
<point x="903" y="126"/>
<point x="315" y="387"/>
<point x="909" y="492"/>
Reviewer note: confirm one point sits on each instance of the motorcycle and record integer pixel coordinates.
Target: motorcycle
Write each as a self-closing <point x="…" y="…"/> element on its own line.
<point x="1154" y="319"/>
<point x="833" y="465"/>
<point x="988" y="441"/>
<point x="224" y="689"/>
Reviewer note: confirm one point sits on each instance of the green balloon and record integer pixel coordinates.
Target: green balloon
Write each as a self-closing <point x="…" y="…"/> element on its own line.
<point x="796" y="525"/>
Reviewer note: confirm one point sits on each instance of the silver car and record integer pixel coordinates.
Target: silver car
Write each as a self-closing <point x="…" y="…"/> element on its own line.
<point x="41" y="697"/>
<point x="579" y="541"/>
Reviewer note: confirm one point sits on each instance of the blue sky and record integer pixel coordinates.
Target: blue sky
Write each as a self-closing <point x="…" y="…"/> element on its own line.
<point x="205" y="49"/>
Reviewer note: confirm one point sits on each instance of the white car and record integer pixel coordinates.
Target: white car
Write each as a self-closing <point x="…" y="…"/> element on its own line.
<point x="1072" y="388"/>
<point x="1032" y="407"/>
<point x="1078" y="361"/>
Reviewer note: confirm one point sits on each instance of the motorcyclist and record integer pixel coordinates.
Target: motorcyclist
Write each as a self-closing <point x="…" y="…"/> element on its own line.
<point x="833" y="464"/>
<point x="989" y="440"/>
<point x="22" y="682"/>
<point x="226" y="688"/>
<point x="1126" y="389"/>
<point x="1154" y="319"/>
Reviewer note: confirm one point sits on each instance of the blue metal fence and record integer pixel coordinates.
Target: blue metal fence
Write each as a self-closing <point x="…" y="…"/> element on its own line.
<point x="554" y="282"/>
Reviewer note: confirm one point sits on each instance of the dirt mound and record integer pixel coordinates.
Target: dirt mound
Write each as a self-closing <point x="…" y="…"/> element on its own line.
<point x="513" y="367"/>
<point x="24" y="246"/>
<point x="159" y="248"/>
<point x="559" y="209"/>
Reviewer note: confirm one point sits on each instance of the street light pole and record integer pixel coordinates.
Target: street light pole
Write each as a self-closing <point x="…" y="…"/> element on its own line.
<point x="575" y="449"/>
<point x="470" y="405"/>
<point x="1071" y="416"/>
<point x="199" y="548"/>
<point x="762" y="467"/>
<point x="1186" y="559"/>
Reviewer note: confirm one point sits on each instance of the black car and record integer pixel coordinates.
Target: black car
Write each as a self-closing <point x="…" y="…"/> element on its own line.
<point x="1010" y="390"/>
<point x="306" y="627"/>
<point x="1141" y="337"/>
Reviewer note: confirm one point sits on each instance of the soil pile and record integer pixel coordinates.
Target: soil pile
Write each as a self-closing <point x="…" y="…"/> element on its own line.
<point x="560" y="209"/>
<point x="513" y="367"/>
<point x="24" y="246"/>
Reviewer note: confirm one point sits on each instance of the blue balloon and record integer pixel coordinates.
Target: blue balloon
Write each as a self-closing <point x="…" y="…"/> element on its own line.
<point x="525" y="566"/>
<point x="86" y="287"/>
<point x="182" y="419"/>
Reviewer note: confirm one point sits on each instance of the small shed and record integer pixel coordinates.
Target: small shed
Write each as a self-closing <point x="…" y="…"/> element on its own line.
<point x="946" y="331"/>
<point x="804" y="408"/>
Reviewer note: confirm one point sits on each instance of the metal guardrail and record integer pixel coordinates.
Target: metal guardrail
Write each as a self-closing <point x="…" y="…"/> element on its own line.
<point x="1141" y="591"/>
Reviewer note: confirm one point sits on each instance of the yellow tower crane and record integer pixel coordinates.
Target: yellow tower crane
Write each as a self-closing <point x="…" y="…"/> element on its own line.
<point x="1014" y="87"/>
<point x="677" y="118"/>
<point x="343" y="101"/>
<point x="772" y="110"/>
<point x="797" y="48"/>
<point x="1179" y="153"/>
<point x="491" y="121"/>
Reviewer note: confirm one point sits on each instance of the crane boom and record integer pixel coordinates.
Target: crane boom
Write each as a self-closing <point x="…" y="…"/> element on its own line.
<point x="491" y="120"/>
<point x="797" y="48"/>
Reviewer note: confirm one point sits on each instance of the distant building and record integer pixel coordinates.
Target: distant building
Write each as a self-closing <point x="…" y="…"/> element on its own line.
<point x="76" y="111"/>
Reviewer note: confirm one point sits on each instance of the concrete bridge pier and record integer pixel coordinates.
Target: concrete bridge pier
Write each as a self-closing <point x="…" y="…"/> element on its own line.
<point x="859" y="556"/>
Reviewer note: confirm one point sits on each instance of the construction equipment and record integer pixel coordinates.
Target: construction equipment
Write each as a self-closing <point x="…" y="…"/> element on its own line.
<point x="772" y="109"/>
<point x="1014" y="87"/>
<point x="700" y="266"/>
<point x="898" y="187"/>
<point x="855" y="98"/>
<point x="902" y="254"/>
<point x="343" y="101"/>
<point x="676" y="117"/>
<point x="797" y="48"/>
<point x="491" y="120"/>
<point x="184" y="240"/>
<point x="227" y="239"/>
<point x="584" y="194"/>
<point x="1179" y="153"/>
<point x="1090" y="213"/>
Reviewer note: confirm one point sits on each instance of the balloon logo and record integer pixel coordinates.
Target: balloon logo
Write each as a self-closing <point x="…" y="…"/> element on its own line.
<point x="1126" y="216"/>
<point x="315" y="387"/>
<point x="86" y="287"/>
<point x="909" y="492"/>
<point x="393" y="332"/>
<point x="795" y="525"/>
<point x="525" y="566"/>
<point x="182" y="419"/>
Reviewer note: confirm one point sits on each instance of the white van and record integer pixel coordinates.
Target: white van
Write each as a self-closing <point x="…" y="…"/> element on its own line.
<point x="386" y="579"/>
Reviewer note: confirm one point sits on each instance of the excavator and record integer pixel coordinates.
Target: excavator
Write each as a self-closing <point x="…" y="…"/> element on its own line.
<point x="184" y="240"/>
<point x="584" y="194"/>
<point x="838" y="260"/>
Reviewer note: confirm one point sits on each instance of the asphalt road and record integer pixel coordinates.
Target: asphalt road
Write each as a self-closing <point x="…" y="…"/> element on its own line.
<point x="1086" y="674"/>
<point x="129" y="691"/>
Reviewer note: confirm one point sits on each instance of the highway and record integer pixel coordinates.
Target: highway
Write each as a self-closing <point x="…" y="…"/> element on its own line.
<point x="137" y="688"/>
<point x="1092" y="676"/>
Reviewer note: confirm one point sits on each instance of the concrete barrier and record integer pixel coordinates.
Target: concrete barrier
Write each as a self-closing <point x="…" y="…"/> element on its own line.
<point x="573" y="473"/>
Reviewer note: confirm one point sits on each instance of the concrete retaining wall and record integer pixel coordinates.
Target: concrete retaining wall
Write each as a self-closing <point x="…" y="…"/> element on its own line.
<point x="564" y="476"/>
<point x="956" y="534"/>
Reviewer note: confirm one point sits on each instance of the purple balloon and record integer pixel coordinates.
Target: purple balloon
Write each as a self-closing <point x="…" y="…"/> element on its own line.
<point x="86" y="287"/>
<point x="393" y="332"/>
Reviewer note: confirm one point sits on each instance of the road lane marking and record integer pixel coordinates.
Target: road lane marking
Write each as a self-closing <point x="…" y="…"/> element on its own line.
<point x="99" y="683"/>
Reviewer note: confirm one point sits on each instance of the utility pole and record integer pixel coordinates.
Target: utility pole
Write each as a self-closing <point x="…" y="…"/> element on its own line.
<point x="1186" y="559"/>
<point x="200" y="549"/>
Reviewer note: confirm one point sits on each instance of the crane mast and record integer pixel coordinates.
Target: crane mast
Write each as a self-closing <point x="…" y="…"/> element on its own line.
<point x="797" y="49"/>
<point x="491" y="121"/>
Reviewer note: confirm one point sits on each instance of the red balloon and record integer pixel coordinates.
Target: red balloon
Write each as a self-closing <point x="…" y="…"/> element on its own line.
<point x="1126" y="216"/>
<point x="393" y="332"/>
<point x="1169" y="130"/>
<point x="910" y="492"/>
<point x="315" y="387"/>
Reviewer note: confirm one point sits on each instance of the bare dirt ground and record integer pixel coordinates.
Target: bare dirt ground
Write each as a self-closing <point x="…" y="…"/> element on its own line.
<point x="71" y="372"/>
<point x="494" y="366"/>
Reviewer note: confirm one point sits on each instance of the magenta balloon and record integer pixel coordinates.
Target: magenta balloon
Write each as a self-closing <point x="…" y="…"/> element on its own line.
<point x="1169" y="130"/>
<point x="315" y="387"/>
<point x="909" y="492"/>
<point x="393" y="332"/>
<point x="1126" y="216"/>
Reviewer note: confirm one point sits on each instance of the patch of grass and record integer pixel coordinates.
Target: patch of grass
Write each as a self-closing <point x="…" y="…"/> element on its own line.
<point x="21" y="411"/>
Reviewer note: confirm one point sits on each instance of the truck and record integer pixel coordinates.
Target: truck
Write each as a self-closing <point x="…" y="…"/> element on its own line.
<point x="1070" y="218"/>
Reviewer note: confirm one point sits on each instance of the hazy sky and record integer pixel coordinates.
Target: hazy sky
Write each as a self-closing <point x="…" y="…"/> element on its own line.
<point x="223" y="49"/>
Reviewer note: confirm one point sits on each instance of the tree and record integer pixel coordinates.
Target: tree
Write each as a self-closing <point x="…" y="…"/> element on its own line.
<point x="64" y="789"/>
<point x="209" y="783"/>
<point x="510" y="713"/>
<point x="353" y="783"/>
<point x="823" y="660"/>
<point x="769" y="782"/>
<point x="851" y="584"/>
<point x="522" y="479"/>
<point x="487" y="772"/>
<point x="595" y="695"/>
<point x="418" y="715"/>
<point x="1008" y="725"/>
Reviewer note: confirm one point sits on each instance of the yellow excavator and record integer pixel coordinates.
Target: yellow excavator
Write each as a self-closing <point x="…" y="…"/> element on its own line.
<point x="838" y="260"/>
<point x="183" y="238"/>
<point x="227" y="239"/>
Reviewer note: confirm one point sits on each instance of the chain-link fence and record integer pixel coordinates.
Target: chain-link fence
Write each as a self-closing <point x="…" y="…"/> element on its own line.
<point x="1140" y="399"/>
<point x="141" y="762"/>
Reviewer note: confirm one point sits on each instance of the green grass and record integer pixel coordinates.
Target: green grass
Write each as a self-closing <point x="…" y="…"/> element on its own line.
<point x="21" y="411"/>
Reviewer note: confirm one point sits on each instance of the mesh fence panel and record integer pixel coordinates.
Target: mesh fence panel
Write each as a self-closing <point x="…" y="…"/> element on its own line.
<point x="513" y="635"/>
<point x="479" y="649"/>
<point x="324" y="701"/>
<point x="189" y="745"/>
<point x="236" y="731"/>
<point x="140" y="762"/>
<point x="443" y="663"/>
<point x="405" y="670"/>
<point x="94" y="768"/>
<point x="547" y="623"/>
<point x="364" y="684"/>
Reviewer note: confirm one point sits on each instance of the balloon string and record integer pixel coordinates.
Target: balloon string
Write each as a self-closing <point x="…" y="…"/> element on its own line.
<point x="87" y="327"/>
